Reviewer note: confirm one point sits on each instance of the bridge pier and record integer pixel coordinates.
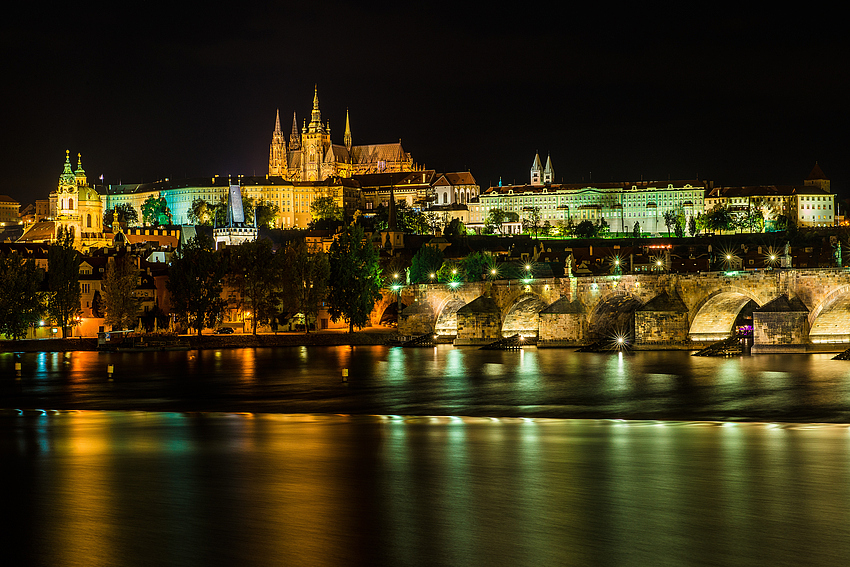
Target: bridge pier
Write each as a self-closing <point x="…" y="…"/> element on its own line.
<point x="781" y="326"/>
<point x="564" y="323"/>
<point x="479" y="322"/>
<point x="663" y="320"/>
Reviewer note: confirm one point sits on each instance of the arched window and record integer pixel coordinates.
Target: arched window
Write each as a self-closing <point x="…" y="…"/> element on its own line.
<point x="88" y="221"/>
<point x="70" y="203"/>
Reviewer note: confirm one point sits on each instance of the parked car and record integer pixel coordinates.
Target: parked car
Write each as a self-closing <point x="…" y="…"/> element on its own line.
<point x="224" y="331"/>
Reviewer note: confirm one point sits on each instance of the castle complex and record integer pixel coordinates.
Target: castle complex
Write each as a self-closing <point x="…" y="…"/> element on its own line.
<point x="312" y="156"/>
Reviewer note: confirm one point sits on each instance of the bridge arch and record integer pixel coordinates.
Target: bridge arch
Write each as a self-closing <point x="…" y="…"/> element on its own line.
<point x="829" y="321"/>
<point x="720" y="311"/>
<point x="522" y="316"/>
<point x="446" y="323"/>
<point x="613" y="314"/>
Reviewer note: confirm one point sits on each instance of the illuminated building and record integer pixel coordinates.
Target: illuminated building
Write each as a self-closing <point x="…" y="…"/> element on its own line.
<point x="9" y="210"/>
<point x="235" y="230"/>
<point x="621" y="204"/>
<point x="810" y="204"/>
<point x="76" y="207"/>
<point x="312" y="156"/>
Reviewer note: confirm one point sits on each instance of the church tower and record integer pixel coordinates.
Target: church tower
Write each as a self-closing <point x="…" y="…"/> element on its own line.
<point x="67" y="189"/>
<point x="80" y="173"/>
<point x="315" y="140"/>
<point x="536" y="171"/>
<point x="817" y="179"/>
<point x="277" y="150"/>
<point x="548" y="172"/>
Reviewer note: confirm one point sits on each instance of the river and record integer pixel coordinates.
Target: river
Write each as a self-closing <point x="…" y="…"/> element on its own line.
<point x="425" y="457"/>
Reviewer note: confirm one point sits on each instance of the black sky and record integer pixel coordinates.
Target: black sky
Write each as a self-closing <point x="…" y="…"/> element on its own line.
<point x="743" y="96"/>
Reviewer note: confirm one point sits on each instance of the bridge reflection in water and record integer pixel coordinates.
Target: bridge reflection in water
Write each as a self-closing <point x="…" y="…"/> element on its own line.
<point x="127" y="488"/>
<point x="790" y="310"/>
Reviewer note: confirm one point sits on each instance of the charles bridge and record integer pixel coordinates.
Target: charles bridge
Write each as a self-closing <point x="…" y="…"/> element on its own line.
<point x="790" y="310"/>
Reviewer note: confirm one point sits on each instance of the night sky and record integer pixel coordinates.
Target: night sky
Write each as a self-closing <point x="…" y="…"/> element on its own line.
<point x="738" y="97"/>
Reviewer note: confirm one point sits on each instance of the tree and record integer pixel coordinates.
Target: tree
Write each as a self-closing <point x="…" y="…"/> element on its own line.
<point x="585" y="229"/>
<point x="680" y="222"/>
<point x="126" y="214"/>
<point x="669" y="220"/>
<point x="63" y="280"/>
<point x="455" y="228"/>
<point x="201" y="212"/>
<point x="451" y="271"/>
<point x="355" y="278"/>
<point x="119" y="283"/>
<point x="325" y="208"/>
<point x="477" y="266"/>
<point x="155" y="211"/>
<point x="305" y="281"/>
<point x="98" y="307"/>
<point x="254" y="273"/>
<point x="195" y="282"/>
<point x="20" y="304"/>
<point x="495" y="219"/>
<point x="602" y="227"/>
<point x="531" y="220"/>
<point x="266" y="213"/>
<point x="426" y="261"/>
<point x="636" y="230"/>
<point x="718" y="218"/>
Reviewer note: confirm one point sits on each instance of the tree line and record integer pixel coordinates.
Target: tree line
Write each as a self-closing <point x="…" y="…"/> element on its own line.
<point x="292" y="280"/>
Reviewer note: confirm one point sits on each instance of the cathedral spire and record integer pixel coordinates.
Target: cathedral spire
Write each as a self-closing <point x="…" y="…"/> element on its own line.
<point x="277" y="150"/>
<point x="316" y="115"/>
<point x="347" y="137"/>
<point x="294" y="138"/>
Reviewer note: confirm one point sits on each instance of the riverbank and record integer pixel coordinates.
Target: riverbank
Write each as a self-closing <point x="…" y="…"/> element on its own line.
<point x="212" y="341"/>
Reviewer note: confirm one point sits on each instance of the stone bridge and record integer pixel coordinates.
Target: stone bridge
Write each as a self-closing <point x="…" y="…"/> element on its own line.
<point x="789" y="310"/>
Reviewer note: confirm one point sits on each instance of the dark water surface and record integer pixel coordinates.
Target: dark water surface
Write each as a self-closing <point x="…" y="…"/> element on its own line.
<point x="438" y="381"/>
<point x="134" y="488"/>
<point x="264" y="457"/>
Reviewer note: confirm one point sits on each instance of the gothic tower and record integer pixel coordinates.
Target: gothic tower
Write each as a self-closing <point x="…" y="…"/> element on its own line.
<point x="314" y="142"/>
<point x="277" y="150"/>
<point x="536" y="171"/>
<point x="548" y="172"/>
<point x="294" y="137"/>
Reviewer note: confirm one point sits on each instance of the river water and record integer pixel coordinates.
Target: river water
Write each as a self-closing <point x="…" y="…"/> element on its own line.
<point x="425" y="457"/>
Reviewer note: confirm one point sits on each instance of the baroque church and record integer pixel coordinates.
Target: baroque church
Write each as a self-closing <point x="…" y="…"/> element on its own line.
<point x="76" y="207"/>
<point x="312" y="156"/>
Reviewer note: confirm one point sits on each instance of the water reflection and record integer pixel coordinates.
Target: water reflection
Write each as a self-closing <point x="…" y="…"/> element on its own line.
<point x="136" y="488"/>
<point x="439" y="381"/>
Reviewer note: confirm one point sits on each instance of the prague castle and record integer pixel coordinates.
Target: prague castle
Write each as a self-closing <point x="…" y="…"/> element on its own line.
<point x="312" y="156"/>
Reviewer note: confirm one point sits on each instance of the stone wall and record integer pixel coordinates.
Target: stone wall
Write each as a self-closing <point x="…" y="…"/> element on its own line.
<point x="561" y="329"/>
<point x="774" y="329"/>
<point x="660" y="327"/>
